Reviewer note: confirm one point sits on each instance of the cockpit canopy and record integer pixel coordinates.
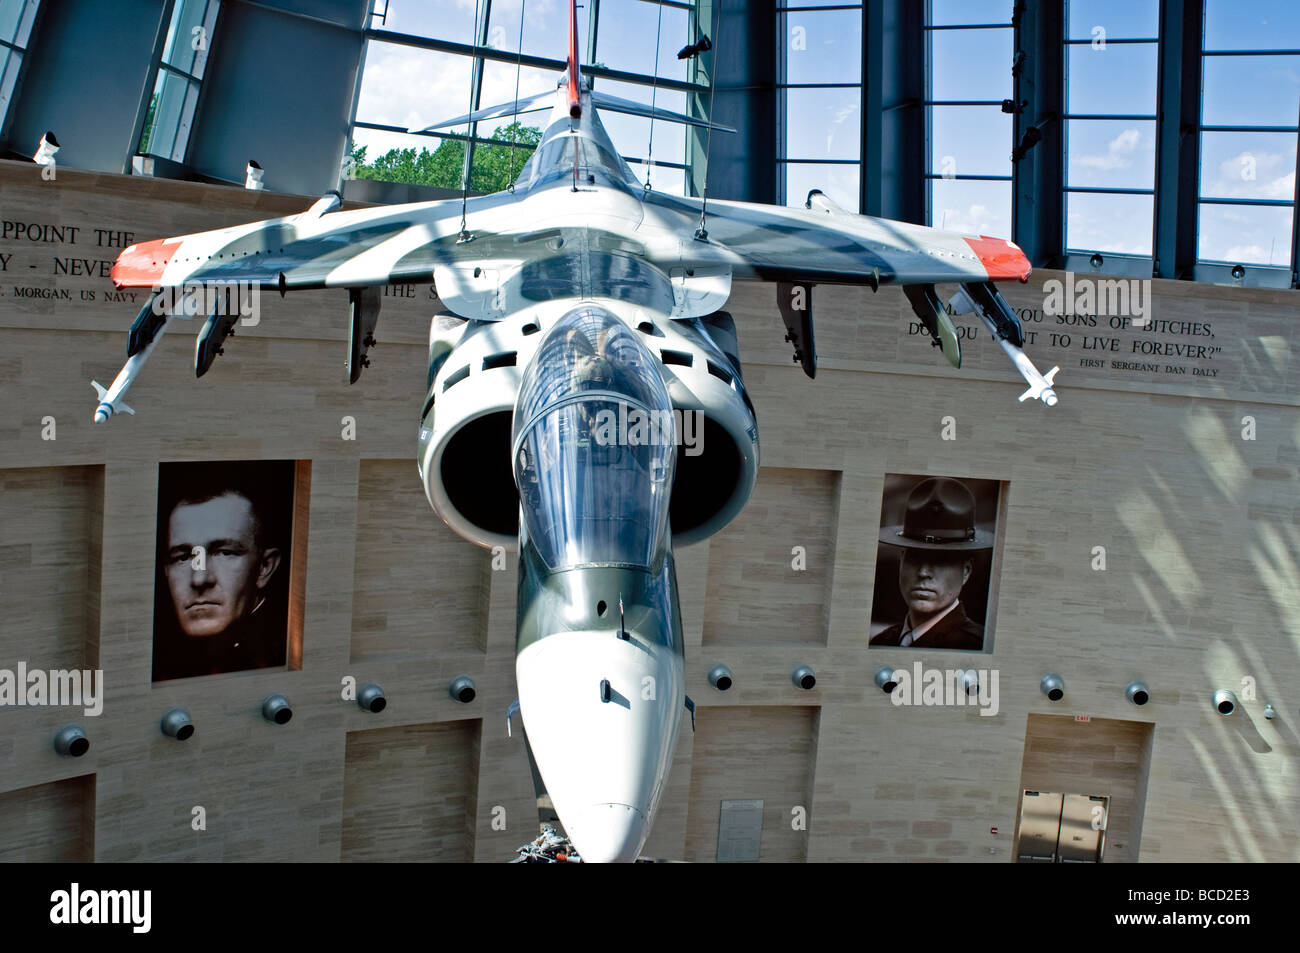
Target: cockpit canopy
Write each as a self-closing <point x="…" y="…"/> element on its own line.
<point x="594" y="445"/>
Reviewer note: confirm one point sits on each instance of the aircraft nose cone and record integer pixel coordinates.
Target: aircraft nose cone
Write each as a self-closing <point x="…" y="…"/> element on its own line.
<point x="608" y="834"/>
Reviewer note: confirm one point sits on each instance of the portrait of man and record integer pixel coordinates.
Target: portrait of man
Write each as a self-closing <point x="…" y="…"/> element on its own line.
<point x="221" y="593"/>
<point x="933" y="563"/>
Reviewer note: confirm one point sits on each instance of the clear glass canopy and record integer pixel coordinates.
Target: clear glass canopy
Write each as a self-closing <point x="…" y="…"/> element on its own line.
<point x="594" y="445"/>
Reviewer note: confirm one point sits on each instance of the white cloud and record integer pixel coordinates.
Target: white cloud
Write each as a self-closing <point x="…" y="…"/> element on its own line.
<point x="407" y="87"/>
<point x="1253" y="253"/>
<point x="974" y="219"/>
<point x="1258" y="174"/>
<point x="1119" y="225"/>
<point x="1119" y="153"/>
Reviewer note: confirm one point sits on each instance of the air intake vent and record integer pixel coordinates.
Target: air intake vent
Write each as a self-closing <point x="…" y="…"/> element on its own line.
<point x="682" y="358"/>
<point x="455" y="379"/>
<point x="504" y="359"/>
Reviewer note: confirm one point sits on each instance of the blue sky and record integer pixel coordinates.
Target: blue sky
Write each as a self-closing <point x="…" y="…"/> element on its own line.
<point x="409" y="87"/>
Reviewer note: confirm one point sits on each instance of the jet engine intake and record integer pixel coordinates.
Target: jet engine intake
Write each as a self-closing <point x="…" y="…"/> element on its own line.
<point x="476" y="370"/>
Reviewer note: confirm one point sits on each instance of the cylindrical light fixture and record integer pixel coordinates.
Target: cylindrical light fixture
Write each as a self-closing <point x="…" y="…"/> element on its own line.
<point x="371" y="698"/>
<point x="1053" y="686"/>
<point x="276" y="710"/>
<point x="176" y="724"/>
<point x="71" y="741"/>
<point x="720" y="677"/>
<point x="462" y="689"/>
<point x="1225" y="703"/>
<point x="1137" y="692"/>
<point x="803" y="677"/>
<point x="45" y="149"/>
<point x="886" y="680"/>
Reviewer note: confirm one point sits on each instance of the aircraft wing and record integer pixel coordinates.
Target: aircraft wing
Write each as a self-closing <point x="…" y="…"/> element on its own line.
<point x="825" y="245"/>
<point x="319" y="248"/>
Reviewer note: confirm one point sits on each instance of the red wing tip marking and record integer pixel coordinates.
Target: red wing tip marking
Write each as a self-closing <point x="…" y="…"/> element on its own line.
<point x="1001" y="259"/>
<point x="142" y="265"/>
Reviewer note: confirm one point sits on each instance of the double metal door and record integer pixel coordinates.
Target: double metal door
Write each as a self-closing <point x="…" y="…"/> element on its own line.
<point x="1062" y="828"/>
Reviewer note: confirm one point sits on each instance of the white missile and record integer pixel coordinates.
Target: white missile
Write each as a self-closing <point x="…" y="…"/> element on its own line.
<point x="1040" y="385"/>
<point x="110" y="398"/>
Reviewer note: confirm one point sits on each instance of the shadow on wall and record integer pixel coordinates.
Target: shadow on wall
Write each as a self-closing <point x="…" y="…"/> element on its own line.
<point x="1236" y="604"/>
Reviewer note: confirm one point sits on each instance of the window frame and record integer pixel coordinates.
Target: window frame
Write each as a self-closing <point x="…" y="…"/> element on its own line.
<point x="928" y="102"/>
<point x="479" y="53"/>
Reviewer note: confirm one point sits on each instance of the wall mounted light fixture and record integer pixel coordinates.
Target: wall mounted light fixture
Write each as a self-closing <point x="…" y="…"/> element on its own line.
<point x="176" y="724"/>
<point x="276" y="710"/>
<point x="720" y="677"/>
<point x="371" y="698"/>
<point x="462" y="689"/>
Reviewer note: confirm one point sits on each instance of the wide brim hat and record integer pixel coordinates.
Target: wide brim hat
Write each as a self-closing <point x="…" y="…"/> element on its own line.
<point x="939" y="516"/>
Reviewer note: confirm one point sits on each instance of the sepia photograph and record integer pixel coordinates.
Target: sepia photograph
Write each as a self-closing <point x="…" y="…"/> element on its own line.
<point x="222" y="580"/>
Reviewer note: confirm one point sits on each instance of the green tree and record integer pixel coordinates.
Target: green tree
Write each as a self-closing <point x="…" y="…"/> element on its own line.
<point x="149" y="119"/>
<point x="493" y="170"/>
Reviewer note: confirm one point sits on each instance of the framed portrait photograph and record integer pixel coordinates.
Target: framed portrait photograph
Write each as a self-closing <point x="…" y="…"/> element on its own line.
<point x="936" y="558"/>
<point x="230" y="546"/>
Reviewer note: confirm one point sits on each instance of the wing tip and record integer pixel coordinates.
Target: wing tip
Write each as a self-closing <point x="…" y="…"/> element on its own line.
<point x="142" y="265"/>
<point x="1001" y="258"/>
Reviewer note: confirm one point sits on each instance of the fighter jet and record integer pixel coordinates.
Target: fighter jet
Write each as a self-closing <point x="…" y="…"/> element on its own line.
<point x="575" y="302"/>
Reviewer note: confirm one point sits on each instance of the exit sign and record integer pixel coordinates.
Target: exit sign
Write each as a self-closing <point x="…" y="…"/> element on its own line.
<point x="1083" y="718"/>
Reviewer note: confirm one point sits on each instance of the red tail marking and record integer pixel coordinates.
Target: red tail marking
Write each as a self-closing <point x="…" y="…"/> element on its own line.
<point x="575" y="107"/>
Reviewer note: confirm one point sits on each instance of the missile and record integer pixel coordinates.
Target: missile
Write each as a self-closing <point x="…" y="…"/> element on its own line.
<point x="1040" y="385"/>
<point x="110" y="398"/>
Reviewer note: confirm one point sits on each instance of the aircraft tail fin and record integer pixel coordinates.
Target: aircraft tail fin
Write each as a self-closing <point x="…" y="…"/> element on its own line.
<point x="575" y="84"/>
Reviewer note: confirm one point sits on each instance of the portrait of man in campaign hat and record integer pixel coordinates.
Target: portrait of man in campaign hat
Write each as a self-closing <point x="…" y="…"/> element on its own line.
<point x="933" y="563"/>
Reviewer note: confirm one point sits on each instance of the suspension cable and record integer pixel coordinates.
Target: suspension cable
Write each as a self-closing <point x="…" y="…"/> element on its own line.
<point x="464" y="235"/>
<point x="702" y="233"/>
<point x="514" y="126"/>
<point x="654" y="89"/>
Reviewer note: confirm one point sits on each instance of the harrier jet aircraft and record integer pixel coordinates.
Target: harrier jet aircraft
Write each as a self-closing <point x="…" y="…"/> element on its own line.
<point x="575" y="300"/>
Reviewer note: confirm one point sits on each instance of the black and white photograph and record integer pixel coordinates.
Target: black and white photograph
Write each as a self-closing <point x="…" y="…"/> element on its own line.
<point x="933" y="563"/>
